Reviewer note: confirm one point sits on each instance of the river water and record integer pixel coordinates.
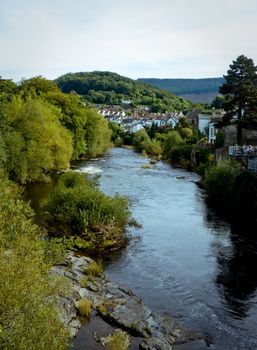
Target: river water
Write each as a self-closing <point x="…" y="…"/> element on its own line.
<point x="184" y="261"/>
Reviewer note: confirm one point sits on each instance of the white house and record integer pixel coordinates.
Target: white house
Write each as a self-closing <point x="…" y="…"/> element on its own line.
<point x="212" y="133"/>
<point x="204" y="120"/>
<point x="136" y="127"/>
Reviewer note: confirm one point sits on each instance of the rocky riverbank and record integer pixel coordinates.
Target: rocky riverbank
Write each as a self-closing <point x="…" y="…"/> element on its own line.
<point x="118" y="306"/>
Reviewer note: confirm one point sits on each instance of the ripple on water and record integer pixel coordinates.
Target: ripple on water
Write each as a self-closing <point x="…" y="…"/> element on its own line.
<point x="188" y="262"/>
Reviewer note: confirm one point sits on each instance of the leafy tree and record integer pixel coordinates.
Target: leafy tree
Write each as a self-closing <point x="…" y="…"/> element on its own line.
<point x="7" y="86"/>
<point x="90" y="133"/>
<point x="97" y="134"/>
<point x="141" y="140"/>
<point x="36" y="142"/>
<point x="29" y="297"/>
<point x="217" y="102"/>
<point x="171" y="140"/>
<point x="73" y="117"/>
<point x="240" y="93"/>
<point x="37" y="85"/>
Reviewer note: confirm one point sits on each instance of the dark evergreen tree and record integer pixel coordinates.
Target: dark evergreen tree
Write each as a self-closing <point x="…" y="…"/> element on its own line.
<point x="240" y="94"/>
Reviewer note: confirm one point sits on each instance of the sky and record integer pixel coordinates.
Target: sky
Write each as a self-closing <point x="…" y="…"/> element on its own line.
<point x="135" y="38"/>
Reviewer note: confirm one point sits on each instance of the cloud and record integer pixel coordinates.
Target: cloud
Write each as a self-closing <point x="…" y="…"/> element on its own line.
<point x="165" y="38"/>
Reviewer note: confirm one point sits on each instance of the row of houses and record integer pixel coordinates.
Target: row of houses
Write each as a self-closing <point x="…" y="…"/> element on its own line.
<point x="134" y="120"/>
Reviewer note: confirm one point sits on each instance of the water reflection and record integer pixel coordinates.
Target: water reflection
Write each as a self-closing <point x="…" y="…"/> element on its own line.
<point x="236" y="256"/>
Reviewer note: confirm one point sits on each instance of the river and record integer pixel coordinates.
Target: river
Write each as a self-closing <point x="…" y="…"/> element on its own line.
<point x="185" y="260"/>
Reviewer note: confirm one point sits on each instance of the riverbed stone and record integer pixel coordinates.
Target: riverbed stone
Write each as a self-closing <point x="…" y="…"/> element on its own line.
<point x="117" y="305"/>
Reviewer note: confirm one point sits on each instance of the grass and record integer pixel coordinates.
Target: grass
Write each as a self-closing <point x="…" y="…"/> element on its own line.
<point x="106" y="307"/>
<point x="84" y="306"/>
<point x="94" y="269"/>
<point x="119" y="340"/>
<point x="84" y="281"/>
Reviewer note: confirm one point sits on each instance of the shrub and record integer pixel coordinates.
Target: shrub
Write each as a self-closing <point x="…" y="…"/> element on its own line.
<point x="84" y="306"/>
<point x="77" y="206"/>
<point x="28" y="312"/>
<point x="172" y="140"/>
<point x="141" y="140"/>
<point x="219" y="182"/>
<point x="154" y="148"/>
<point x="179" y="154"/>
<point x="94" y="269"/>
<point x="119" y="340"/>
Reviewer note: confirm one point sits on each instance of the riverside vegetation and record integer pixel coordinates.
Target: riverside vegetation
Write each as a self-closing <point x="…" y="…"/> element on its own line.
<point x="42" y="130"/>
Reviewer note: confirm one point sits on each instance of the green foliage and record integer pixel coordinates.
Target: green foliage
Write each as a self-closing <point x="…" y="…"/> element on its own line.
<point x="119" y="340"/>
<point x="111" y="88"/>
<point x="37" y="86"/>
<point x="55" y="251"/>
<point x="7" y="89"/>
<point x="141" y="140"/>
<point x="90" y="132"/>
<point x="117" y="133"/>
<point x="35" y="140"/>
<point x="219" y="182"/>
<point x="217" y="103"/>
<point x="97" y="134"/>
<point x="94" y="269"/>
<point x="172" y="141"/>
<point x="28" y="311"/>
<point x="73" y="117"/>
<point x="84" y="306"/>
<point x="186" y="133"/>
<point x="232" y="191"/>
<point x="219" y="139"/>
<point x="240" y="94"/>
<point x="77" y="206"/>
<point x="42" y="129"/>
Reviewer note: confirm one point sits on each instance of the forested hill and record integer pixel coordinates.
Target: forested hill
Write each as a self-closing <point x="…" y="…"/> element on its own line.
<point x="111" y="88"/>
<point x="196" y="90"/>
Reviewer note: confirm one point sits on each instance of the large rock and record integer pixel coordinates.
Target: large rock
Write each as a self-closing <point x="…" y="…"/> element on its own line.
<point x="118" y="305"/>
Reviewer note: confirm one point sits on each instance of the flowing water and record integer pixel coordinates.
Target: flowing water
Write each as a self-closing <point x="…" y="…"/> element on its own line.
<point x="185" y="261"/>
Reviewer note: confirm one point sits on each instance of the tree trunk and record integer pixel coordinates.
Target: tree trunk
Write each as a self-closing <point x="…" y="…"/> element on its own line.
<point x="239" y="127"/>
<point x="239" y="133"/>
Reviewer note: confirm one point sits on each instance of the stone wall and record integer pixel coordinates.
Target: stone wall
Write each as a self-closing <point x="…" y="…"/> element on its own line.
<point x="249" y="137"/>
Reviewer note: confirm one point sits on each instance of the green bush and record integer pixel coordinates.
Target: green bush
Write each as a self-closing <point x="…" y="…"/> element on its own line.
<point x="119" y="340"/>
<point x="84" y="306"/>
<point x="180" y="154"/>
<point x="219" y="182"/>
<point x="171" y="141"/>
<point x="77" y="206"/>
<point x="28" y="309"/>
<point x="94" y="269"/>
<point x="141" y="140"/>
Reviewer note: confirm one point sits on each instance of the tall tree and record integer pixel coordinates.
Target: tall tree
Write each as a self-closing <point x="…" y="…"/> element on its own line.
<point x="240" y="93"/>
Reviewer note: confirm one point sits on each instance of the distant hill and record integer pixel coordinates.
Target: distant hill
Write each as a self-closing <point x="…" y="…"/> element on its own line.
<point x="111" y="88"/>
<point x="195" y="90"/>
